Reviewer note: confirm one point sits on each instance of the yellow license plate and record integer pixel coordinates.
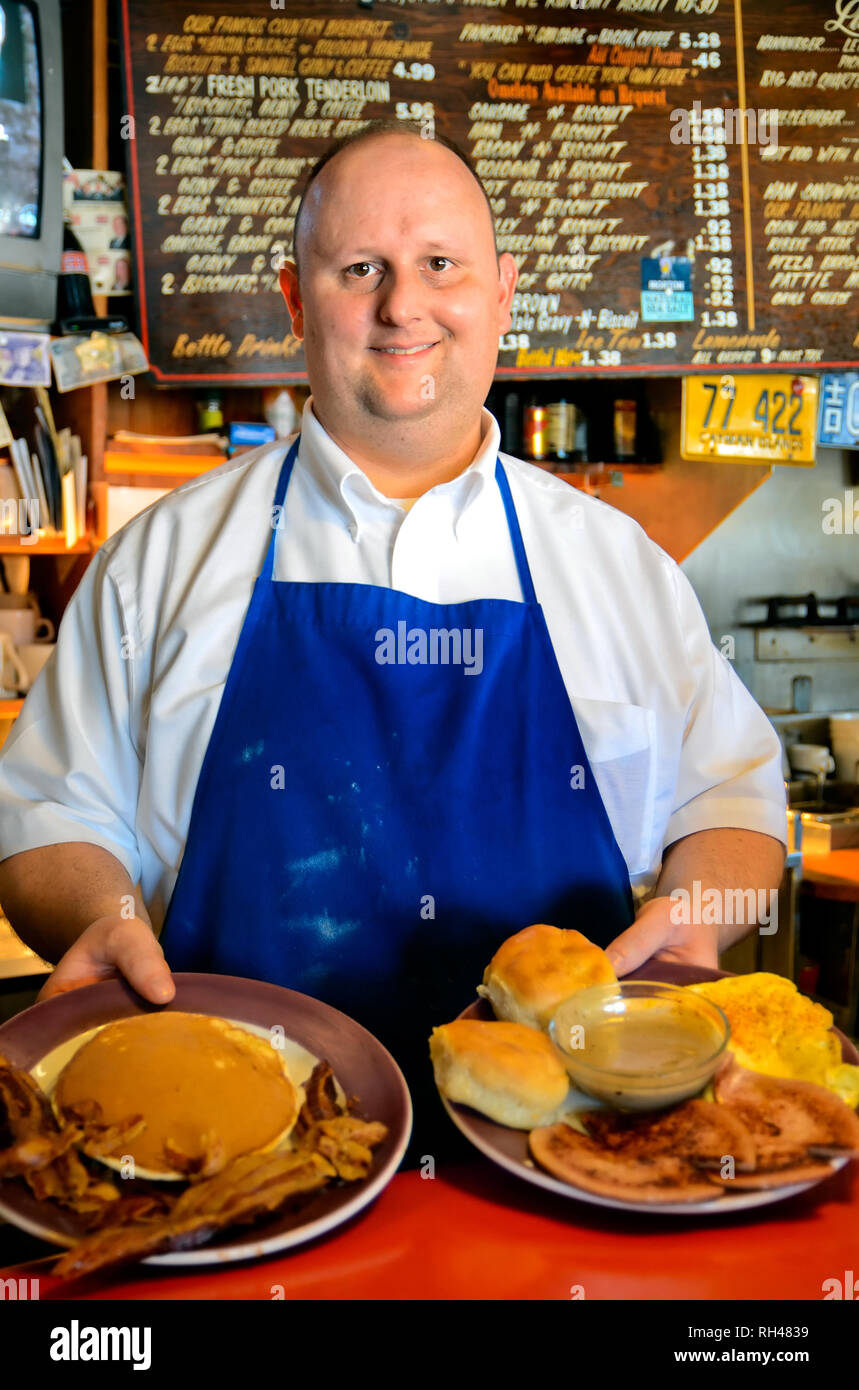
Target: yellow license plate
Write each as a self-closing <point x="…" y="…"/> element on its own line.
<point x="754" y="418"/>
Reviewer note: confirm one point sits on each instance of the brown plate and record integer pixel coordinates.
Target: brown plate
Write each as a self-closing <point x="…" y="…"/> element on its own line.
<point x="509" y="1147"/>
<point x="363" y="1067"/>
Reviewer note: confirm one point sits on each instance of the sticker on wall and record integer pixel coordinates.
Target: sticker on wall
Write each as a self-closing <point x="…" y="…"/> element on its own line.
<point x="666" y="289"/>
<point x="80" y="361"/>
<point x="24" y="359"/>
<point x="838" y="418"/>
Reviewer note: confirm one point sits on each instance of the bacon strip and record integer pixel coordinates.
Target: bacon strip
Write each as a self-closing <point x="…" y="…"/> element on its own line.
<point x="347" y="1143"/>
<point x="248" y="1188"/>
<point x="320" y="1097"/>
<point x="100" y="1139"/>
<point x="30" y="1137"/>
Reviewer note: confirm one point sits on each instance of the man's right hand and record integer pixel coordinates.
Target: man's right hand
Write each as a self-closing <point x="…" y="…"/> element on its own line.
<point x="109" y="947"/>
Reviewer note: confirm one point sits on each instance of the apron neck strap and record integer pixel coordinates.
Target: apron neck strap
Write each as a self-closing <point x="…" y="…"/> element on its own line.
<point x="522" y="565"/>
<point x="267" y="571"/>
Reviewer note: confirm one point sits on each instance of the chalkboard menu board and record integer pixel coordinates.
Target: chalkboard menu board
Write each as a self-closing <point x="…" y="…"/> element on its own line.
<point x="678" y="180"/>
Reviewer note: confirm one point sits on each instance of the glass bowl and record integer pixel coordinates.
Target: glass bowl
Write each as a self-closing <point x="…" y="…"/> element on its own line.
<point x="640" y="1045"/>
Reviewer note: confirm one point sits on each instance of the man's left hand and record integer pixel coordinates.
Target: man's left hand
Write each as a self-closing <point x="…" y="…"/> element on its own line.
<point x="653" y="933"/>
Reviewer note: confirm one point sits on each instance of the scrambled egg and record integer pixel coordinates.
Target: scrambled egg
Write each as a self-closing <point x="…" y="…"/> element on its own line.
<point x="778" y="1031"/>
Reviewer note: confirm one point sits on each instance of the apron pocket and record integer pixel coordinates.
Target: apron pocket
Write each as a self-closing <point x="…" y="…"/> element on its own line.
<point x="619" y="740"/>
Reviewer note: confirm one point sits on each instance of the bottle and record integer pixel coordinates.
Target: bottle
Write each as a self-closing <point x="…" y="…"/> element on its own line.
<point x="74" y="292"/>
<point x="280" y="411"/>
<point x="210" y="411"/>
<point x="534" y="441"/>
<point x="625" y="428"/>
<point x="561" y="429"/>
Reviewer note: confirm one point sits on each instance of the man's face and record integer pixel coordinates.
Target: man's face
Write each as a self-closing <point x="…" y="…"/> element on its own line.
<point x="397" y="252"/>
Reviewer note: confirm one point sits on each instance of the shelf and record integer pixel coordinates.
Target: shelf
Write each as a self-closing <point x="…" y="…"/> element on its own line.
<point x="170" y="465"/>
<point x="592" y="477"/>
<point x="572" y="470"/>
<point x="46" y="545"/>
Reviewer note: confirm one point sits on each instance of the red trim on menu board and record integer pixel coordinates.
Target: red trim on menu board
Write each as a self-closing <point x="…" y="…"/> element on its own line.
<point x="674" y="370"/>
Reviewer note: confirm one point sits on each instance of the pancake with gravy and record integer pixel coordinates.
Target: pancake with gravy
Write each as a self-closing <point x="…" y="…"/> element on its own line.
<point x="201" y="1084"/>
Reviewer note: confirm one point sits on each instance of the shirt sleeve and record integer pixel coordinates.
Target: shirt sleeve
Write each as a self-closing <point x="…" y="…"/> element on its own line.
<point x="70" y="770"/>
<point x="730" y="768"/>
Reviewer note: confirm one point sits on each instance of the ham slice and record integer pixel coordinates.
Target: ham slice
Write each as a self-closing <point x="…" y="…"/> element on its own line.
<point x="778" y="1132"/>
<point x="794" y="1126"/>
<point x="654" y="1158"/>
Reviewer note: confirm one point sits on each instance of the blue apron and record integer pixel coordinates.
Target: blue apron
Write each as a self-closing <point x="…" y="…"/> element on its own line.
<point x="371" y="821"/>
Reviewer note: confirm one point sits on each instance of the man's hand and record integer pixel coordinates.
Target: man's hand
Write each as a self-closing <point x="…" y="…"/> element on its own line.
<point x="653" y="933"/>
<point x="723" y="861"/>
<point x="109" y="947"/>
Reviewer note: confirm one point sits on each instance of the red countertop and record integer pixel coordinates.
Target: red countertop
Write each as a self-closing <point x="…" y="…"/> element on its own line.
<point x="475" y="1232"/>
<point x="839" y="868"/>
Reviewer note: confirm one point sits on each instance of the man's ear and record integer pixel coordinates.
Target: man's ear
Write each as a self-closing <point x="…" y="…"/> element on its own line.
<point x="508" y="275"/>
<point x="288" y="278"/>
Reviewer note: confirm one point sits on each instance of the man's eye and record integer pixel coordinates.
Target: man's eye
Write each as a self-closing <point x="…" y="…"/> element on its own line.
<point x="446" y="260"/>
<point x="360" y="265"/>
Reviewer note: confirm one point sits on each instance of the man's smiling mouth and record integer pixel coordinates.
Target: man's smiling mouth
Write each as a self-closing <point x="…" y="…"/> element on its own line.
<point x="405" y="351"/>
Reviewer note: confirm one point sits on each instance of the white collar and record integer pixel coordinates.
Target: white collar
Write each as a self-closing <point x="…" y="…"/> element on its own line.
<point x="350" y="491"/>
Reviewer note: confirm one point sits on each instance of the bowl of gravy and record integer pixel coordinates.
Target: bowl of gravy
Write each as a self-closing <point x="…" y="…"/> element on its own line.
<point x="639" y="1045"/>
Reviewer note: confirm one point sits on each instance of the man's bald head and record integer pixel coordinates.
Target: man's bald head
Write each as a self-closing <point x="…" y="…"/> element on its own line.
<point x="375" y="130"/>
<point x="401" y="303"/>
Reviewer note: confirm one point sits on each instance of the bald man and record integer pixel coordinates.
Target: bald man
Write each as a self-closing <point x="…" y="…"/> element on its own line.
<point x="348" y="711"/>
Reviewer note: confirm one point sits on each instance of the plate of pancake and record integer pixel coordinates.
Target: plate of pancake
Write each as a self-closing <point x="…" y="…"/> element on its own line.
<point x="778" y="1117"/>
<point x="238" y="1120"/>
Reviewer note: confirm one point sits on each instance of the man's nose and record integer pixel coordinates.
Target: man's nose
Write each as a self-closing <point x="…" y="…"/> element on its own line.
<point x="402" y="295"/>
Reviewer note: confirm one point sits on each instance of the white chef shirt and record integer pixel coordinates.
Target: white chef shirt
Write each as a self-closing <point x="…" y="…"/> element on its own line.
<point x="111" y="739"/>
